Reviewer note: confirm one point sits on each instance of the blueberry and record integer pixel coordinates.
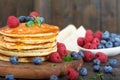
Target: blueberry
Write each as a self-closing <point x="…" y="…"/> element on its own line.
<point x="29" y="18"/>
<point x="117" y="39"/>
<point x="9" y="77"/>
<point x="13" y="59"/>
<point x="113" y="35"/>
<point x="112" y="39"/>
<point x="53" y="77"/>
<point x="101" y="46"/>
<point x="22" y="19"/>
<point x="83" y="71"/>
<point x="96" y="62"/>
<point x="81" y="53"/>
<point x="107" y="69"/>
<point x="109" y="44"/>
<point x="106" y="35"/>
<point x="103" y="42"/>
<point x="42" y="19"/>
<point x="112" y="62"/>
<point x="74" y="55"/>
<point x="116" y="44"/>
<point x="96" y="68"/>
<point x="37" y="60"/>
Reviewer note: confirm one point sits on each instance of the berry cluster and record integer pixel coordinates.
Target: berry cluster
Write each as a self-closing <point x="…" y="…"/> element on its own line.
<point x="91" y="40"/>
<point x="13" y="21"/>
<point x="61" y="52"/>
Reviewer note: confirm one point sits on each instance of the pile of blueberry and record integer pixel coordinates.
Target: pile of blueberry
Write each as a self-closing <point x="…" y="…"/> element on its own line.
<point x="109" y="40"/>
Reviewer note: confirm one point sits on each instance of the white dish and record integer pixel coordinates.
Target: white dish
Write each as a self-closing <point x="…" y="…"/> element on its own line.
<point x="108" y="51"/>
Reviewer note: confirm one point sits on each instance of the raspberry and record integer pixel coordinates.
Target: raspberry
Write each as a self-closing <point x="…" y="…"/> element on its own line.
<point x="72" y="74"/>
<point x="88" y="39"/>
<point x="34" y="13"/>
<point x="98" y="34"/>
<point x="12" y="22"/>
<point x="80" y="41"/>
<point x="88" y="32"/>
<point x="88" y="56"/>
<point x="87" y="45"/>
<point x="101" y="56"/>
<point x="61" y="49"/>
<point x="96" y="41"/>
<point x="93" y="46"/>
<point x="55" y="57"/>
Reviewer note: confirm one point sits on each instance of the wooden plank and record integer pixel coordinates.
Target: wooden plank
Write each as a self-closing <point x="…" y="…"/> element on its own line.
<point x="108" y="15"/>
<point x="118" y="16"/>
<point x="44" y="8"/>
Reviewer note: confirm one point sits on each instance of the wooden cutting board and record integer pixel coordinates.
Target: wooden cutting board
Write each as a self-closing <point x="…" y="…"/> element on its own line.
<point x="31" y="71"/>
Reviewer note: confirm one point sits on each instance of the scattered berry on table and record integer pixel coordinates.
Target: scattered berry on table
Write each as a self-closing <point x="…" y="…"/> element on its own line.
<point x="72" y="74"/>
<point x="34" y="13"/>
<point x="96" y="62"/>
<point x="80" y="41"/>
<point x="101" y="56"/>
<point x="53" y="77"/>
<point x="9" y="77"/>
<point x="55" y="57"/>
<point x="96" y="68"/>
<point x="88" y="56"/>
<point x="12" y="22"/>
<point x="74" y="55"/>
<point x="37" y="60"/>
<point x="108" y="69"/>
<point x="83" y="71"/>
<point x="13" y="59"/>
<point x="22" y="19"/>
<point x="112" y="62"/>
<point x="81" y="53"/>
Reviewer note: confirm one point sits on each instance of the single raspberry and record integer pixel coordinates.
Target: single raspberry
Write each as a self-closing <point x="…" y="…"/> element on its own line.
<point x="72" y="74"/>
<point x="12" y="22"/>
<point x="93" y="46"/>
<point x="88" y="56"/>
<point x="61" y="49"/>
<point x="88" y="39"/>
<point x="34" y="13"/>
<point x="87" y="45"/>
<point x="55" y="57"/>
<point x="98" y="34"/>
<point x="96" y="41"/>
<point x="80" y="41"/>
<point x="89" y="32"/>
<point x="101" y="56"/>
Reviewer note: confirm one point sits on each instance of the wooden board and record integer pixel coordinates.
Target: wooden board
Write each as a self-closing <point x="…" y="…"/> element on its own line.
<point x="31" y="71"/>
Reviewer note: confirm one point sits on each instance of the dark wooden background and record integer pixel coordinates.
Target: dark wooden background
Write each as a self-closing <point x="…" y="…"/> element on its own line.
<point x="92" y="14"/>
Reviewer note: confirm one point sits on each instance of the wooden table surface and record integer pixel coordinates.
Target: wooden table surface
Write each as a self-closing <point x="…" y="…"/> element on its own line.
<point x="115" y="75"/>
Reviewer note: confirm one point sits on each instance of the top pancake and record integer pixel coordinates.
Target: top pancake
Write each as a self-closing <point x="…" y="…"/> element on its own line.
<point x="33" y="31"/>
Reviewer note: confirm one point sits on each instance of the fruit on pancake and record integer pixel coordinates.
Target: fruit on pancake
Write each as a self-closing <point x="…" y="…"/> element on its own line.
<point x="34" y="13"/>
<point x="12" y="22"/>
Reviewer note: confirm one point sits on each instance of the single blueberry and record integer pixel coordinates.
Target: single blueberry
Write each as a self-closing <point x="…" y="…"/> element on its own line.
<point x="9" y="77"/>
<point x="96" y="62"/>
<point x="101" y="46"/>
<point x="81" y="53"/>
<point x="107" y="69"/>
<point x="22" y="19"/>
<point x="103" y="41"/>
<point x="109" y="44"/>
<point x="13" y="59"/>
<point x="29" y="18"/>
<point x="112" y="62"/>
<point x="116" y="44"/>
<point x="96" y="68"/>
<point x="37" y="60"/>
<point x="83" y="71"/>
<point x="106" y="35"/>
<point x="42" y="19"/>
<point x="112" y="39"/>
<point x="74" y="55"/>
<point x="113" y="35"/>
<point x="117" y="39"/>
<point x="53" y="77"/>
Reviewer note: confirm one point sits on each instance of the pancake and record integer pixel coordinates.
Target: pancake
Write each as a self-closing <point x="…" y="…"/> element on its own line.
<point x="28" y="53"/>
<point x="19" y="46"/>
<point x="29" y="40"/>
<point x="34" y="31"/>
<point x="25" y="59"/>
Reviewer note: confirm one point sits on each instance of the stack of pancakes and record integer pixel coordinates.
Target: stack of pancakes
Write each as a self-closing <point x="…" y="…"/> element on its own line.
<point x="28" y="42"/>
